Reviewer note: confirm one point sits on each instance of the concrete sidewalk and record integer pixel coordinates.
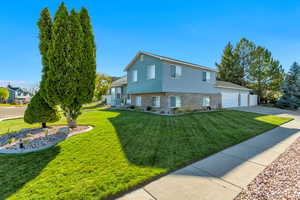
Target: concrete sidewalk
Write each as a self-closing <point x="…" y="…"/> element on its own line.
<point x="222" y="176"/>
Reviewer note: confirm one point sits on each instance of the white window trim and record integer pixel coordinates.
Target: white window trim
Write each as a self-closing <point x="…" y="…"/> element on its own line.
<point x="176" y="67"/>
<point x="156" y="106"/>
<point x="175" y="101"/>
<point x="138" y="103"/>
<point x="149" y="67"/>
<point x="208" y="76"/>
<point x="134" y="75"/>
<point x="203" y="101"/>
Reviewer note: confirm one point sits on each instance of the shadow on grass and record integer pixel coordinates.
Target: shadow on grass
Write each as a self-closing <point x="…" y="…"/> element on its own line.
<point x="177" y="141"/>
<point x="26" y="168"/>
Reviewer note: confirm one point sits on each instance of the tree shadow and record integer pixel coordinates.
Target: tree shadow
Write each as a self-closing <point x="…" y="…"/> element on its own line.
<point x="17" y="170"/>
<point x="150" y="145"/>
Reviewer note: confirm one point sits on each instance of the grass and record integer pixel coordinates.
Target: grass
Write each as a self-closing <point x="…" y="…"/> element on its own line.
<point x="123" y="150"/>
<point x="11" y="125"/>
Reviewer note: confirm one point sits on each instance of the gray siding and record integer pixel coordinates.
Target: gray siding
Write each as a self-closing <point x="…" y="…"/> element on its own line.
<point x="191" y="81"/>
<point x="143" y="85"/>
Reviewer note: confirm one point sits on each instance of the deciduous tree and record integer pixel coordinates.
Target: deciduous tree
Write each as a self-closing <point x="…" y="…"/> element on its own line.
<point x="4" y="94"/>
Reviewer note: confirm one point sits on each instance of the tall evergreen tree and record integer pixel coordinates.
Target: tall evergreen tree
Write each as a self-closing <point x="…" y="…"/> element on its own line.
<point x="227" y="67"/>
<point x="258" y="70"/>
<point x="88" y="57"/>
<point x="69" y="76"/>
<point x="45" y="31"/>
<point x="290" y="88"/>
<point x="243" y="50"/>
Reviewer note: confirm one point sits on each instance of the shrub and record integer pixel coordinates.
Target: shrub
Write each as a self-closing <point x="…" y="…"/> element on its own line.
<point x="39" y="111"/>
<point x="149" y="108"/>
<point x="131" y="107"/>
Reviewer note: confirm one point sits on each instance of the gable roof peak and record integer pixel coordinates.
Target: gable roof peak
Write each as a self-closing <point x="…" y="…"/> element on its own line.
<point x="168" y="60"/>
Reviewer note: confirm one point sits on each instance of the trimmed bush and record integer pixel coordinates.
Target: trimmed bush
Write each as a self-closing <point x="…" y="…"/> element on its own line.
<point x="39" y="111"/>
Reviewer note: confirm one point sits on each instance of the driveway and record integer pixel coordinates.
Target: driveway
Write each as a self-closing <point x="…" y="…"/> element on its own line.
<point x="10" y="112"/>
<point x="223" y="175"/>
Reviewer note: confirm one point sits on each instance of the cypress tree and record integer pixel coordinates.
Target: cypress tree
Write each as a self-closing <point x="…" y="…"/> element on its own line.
<point x="39" y="111"/>
<point x="88" y="57"/>
<point x="70" y="72"/>
<point x="45" y="31"/>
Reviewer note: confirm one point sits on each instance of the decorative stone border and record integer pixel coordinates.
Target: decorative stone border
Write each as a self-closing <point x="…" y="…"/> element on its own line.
<point x="11" y="151"/>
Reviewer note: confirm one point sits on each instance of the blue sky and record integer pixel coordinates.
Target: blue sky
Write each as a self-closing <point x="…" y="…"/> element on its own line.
<point x="195" y="31"/>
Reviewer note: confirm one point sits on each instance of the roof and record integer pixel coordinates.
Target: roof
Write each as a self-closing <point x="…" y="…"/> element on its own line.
<point x="169" y="60"/>
<point x="119" y="82"/>
<point x="25" y="91"/>
<point x="229" y="85"/>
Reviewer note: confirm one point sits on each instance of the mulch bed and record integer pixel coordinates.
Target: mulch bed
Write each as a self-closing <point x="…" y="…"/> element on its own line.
<point x="279" y="181"/>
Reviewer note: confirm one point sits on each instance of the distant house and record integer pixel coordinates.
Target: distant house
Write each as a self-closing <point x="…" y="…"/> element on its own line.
<point x="18" y="95"/>
<point x="165" y="83"/>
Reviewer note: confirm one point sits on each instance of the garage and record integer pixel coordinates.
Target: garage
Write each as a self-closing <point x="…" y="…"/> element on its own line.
<point x="244" y="99"/>
<point x="232" y="95"/>
<point x="230" y="99"/>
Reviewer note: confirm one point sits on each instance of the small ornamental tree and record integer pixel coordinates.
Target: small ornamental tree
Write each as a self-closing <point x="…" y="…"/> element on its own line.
<point x="39" y="111"/>
<point x="4" y="94"/>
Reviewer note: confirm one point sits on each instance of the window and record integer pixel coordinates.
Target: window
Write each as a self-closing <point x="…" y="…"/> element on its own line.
<point x="113" y="91"/>
<point x="175" y="101"/>
<point x="176" y="71"/>
<point x="206" y="101"/>
<point x="206" y="76"/>
<point x="156" y="101"/>
<point x="134" y="76"/>
<point x="128" y="99"/>
<point x="151" y="72"/>
<point x="142" y="58"/>
<point x="138" y="101"/>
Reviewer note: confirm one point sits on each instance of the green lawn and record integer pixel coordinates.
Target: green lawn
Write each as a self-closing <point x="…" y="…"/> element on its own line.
<point x="123" y="150"/>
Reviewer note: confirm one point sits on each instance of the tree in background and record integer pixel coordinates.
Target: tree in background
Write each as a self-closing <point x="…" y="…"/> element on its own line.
<point x="243" y="52"/>
<point x="39" y="111"/>
<point x="228" y="68"/>
<point x="103" y="83"/>
<point x="252" y="66"/>
<point x="290" y="88"/>
<point x="71" y="69"/>
<point x="265" y="74"/>
<point x="45" y="31"/>
<point x="4" y="94"/>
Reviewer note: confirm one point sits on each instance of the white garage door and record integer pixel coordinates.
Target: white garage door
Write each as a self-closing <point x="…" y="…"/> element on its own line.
<point x="230" y="99"/>
<point x="244" y="100"/>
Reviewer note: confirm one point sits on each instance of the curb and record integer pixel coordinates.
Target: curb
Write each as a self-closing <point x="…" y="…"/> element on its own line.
<point x="8" y="118"/>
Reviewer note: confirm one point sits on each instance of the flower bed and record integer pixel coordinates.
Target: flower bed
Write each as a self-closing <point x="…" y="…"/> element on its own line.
<point x="29" y="140"/>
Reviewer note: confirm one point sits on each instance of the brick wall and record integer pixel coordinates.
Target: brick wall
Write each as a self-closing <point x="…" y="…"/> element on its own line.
<point x="191" y="101"/>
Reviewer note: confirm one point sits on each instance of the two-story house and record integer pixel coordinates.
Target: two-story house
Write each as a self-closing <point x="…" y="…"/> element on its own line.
<point x="19" y="95"/>
<point x="165" y="83"/>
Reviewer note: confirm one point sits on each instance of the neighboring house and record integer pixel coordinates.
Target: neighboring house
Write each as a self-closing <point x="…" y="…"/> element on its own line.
<point x="18" y="95"/>
<point x="165" y="83"/>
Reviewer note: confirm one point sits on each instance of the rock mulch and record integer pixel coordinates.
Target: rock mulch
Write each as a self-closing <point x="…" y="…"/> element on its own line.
<point x="29" y="140"/>
<point x="279" y="181"/>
